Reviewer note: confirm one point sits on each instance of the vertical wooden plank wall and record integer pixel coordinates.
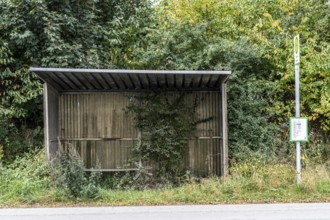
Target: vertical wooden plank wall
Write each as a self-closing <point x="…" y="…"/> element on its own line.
<point x="97" y="126"/>
<point x="51" y="116"/>
<point x="204" y="148"/>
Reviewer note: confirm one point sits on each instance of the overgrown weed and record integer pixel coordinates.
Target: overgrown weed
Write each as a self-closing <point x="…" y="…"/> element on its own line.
<point x="25" y="179"/>
<point x="68" y="172"/>
<point x="27" y="182"/>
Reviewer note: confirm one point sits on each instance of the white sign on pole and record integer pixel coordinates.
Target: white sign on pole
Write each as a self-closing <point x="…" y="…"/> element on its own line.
<point x="298" y="129"/>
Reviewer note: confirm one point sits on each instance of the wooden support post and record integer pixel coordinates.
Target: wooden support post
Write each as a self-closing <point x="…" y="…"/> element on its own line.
<point x="224" y="150"/>
<point x="51" y="121"/>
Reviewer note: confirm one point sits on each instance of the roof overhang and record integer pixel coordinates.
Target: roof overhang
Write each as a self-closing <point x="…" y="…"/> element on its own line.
<point x="87" y="80"/>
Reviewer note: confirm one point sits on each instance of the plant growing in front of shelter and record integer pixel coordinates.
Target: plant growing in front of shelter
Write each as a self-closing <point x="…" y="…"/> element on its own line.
<point x="166" y="121"/>
<point x="69" y="173"/>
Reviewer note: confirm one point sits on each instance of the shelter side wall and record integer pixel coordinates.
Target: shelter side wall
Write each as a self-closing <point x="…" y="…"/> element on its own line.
<point x="51" y="115"/>
<point x="96" y="124"/>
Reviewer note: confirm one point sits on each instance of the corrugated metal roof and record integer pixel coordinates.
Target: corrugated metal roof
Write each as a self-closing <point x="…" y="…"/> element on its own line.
<point x="129" y="80"/>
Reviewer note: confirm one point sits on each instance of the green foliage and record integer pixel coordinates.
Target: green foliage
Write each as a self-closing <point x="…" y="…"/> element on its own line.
<point x="19" y="139"/>
<point x="186" y="46"/>
<point x="61" y="33"/>
<point x="317" y="150"/>
<point x="249" y="126"/>
<point x="140" y="179"/>
<point x="276" y="175"/>
<point x="69" y="173"/>
<point x="261" y="89"/>
<point x="25" y="179"/>
<point x="93" y="186"/>
<point x="20" y="108"/>
<point x="166" y="121"/>
<point x="1" y="154"/>
<point x="271" y="183"/>
<point x="27" y="182"/>
<point x="30" y="179"/>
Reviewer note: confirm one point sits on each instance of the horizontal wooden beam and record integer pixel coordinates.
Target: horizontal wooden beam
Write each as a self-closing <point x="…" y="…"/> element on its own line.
<point x="99" y="139"/>
<point x="206" y="138"/>
<point x="128" y="139"/>
<point x="117" y="170"/>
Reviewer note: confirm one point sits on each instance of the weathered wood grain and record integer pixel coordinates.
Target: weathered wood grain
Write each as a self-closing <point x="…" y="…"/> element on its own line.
<point x="98" y="127"/>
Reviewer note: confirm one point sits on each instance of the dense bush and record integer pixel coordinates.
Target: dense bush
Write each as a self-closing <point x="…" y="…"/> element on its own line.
<point x="166" y="121"/>
<point x="69" y="173"/>
<point x="24" y="179"/>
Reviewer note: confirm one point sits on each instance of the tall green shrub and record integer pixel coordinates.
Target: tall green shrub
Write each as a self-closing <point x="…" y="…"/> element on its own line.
<point x="166" y="122"/>
<point x="69" y="173"/>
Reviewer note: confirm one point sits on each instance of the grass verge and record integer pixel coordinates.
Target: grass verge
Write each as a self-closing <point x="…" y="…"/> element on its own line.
<point x="27" y="183"/>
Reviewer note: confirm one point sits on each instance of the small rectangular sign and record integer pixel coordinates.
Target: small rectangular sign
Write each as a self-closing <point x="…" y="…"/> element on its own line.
<point x="298" y="129"/>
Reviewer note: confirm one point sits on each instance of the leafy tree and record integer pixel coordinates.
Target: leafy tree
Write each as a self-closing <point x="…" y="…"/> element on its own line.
<point x="185" y="46"/>
<point x="60" y="33"/>
<point x="261" y="94"/>
<point x="270" y="27"/>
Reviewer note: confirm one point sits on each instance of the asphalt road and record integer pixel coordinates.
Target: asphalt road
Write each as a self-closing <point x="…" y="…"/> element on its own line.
<point x="307" y="211"/>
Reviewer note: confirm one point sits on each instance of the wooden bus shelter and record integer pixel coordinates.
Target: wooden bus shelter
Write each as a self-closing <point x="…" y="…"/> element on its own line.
<point x="84" y="108"/>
